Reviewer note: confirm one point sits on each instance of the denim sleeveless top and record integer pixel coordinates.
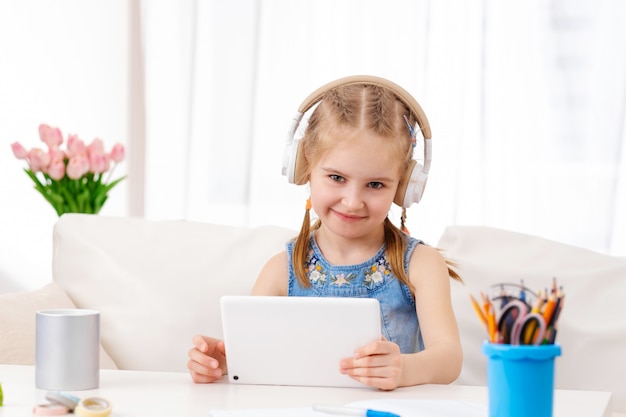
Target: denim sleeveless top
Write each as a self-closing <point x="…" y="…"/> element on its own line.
<point x="370" y="279"/>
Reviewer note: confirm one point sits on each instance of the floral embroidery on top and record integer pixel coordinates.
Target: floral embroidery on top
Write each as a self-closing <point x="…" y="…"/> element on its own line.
<point x="341" y="279"/>
<point x="315" y="272"/>
<point x="371" y="277"/>
<point x="375" y="274"/>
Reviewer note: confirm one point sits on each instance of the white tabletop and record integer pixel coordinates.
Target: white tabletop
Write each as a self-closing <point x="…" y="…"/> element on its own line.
<point x="154" y="394"/>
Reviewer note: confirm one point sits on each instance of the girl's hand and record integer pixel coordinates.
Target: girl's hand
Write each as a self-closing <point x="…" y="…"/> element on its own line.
<point x="207" y="359"/>
<point x="377" y="364"/>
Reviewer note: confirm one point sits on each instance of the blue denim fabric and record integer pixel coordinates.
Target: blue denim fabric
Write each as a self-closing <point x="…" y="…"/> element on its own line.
<point x="370" y="279"/>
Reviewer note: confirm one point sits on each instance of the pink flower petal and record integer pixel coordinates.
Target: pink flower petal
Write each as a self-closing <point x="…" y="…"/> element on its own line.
<point x="19" y="151"/>
<point x="38" y="160"/>
<point x="75" y="146"/>
<point x="51" y="136"/>
<point x="56" y="169"/>
<point x="77" y="166"/>
<point x="118" y="153"/>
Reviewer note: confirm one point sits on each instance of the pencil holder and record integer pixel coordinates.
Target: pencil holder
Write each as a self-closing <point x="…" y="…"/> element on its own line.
<point x="520" y="379"/>
<point x="67" y="349"/>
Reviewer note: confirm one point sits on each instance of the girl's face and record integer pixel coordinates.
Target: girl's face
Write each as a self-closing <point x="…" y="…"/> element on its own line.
<point x="353" y="186"/>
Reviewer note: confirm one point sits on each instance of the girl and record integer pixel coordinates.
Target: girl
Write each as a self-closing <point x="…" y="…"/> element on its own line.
<point x="356" y="154"/>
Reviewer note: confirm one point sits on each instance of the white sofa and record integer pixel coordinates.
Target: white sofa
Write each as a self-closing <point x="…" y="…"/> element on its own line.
<point x="157" y="284"/>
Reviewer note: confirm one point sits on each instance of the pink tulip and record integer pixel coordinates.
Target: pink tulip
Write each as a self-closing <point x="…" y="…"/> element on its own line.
<point x="75" y="146"/>
<point x="77" y="166"/>
<point x="98" y="160"/>
<point x="19" y="151"/>
<point x="51" y="136"/>
<point x="118" y="153"/>
<point x="96" y="147"/>
<point x="38" y="160"/>
<point x="56" y="153"/>
<point x="56" y="169"/>
<point x="98" y="163"/>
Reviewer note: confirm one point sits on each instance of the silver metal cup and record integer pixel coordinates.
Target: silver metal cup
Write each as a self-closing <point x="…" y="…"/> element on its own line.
<point x="67" y="350"/>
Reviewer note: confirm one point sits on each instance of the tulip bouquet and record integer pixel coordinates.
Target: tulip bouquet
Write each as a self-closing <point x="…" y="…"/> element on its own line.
<point x="71" y="180"/>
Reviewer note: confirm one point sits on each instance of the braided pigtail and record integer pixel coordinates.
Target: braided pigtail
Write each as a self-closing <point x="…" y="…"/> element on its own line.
<point x="403" y="222"/>
<point x="301" y="246"/>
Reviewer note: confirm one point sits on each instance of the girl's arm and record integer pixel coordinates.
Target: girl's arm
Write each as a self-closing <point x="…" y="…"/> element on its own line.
<point x="380" y="364"/>
<point x="441" y="360"/>
<point x="274" y="277"/>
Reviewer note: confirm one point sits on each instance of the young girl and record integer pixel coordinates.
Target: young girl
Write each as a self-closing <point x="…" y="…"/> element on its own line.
<point x="357" y="155"/>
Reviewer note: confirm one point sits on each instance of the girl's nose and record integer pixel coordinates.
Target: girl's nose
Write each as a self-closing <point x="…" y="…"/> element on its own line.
<point x="352" y="199"/>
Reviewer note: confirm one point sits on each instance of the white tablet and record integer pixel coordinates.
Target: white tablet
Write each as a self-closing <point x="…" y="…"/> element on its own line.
<point x="295" y="340"/>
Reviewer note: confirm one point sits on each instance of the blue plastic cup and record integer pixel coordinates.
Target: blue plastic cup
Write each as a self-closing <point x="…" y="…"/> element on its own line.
<point x="520" y="379"/>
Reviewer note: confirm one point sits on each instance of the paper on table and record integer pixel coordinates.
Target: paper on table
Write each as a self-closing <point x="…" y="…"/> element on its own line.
<point x="425" y="408"/>
<point x="263" y="412"/>
<point x="402" y="407"/>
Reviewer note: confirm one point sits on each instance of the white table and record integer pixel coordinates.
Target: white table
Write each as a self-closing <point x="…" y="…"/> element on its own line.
<point x="154" y="394"/>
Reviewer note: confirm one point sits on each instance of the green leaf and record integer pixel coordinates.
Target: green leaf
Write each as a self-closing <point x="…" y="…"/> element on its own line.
<point x="99" y="203"/>
<point x="70" y="201"/>
<point x="82" y="200"/>
<point x="113" y="184"/>
<point x="38" y="185"/>
<point x="84" y="195"/>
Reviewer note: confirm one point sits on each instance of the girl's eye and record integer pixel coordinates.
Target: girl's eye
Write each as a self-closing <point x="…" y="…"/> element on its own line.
<point x="336" y="178"/>
<point x="376" y="185"/>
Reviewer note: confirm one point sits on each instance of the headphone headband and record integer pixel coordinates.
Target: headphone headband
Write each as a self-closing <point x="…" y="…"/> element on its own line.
<point x="402" y="94"/>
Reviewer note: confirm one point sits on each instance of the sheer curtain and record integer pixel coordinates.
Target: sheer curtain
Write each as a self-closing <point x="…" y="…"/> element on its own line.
<point x="525" y="100"/>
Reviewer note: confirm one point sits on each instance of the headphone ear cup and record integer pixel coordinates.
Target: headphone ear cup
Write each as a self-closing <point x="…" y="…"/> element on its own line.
<point x="293" y="165"/>
<point x="289" y="160"/>
<point x="291" y="151"/>
<point x="411" y="186"/>
<point x="299" y="164"/>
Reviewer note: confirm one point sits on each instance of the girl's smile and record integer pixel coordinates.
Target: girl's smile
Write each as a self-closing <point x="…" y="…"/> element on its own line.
<point x="347" y="217"/>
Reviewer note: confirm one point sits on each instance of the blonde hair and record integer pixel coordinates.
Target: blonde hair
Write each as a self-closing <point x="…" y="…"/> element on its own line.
<point x="341" y="110"/>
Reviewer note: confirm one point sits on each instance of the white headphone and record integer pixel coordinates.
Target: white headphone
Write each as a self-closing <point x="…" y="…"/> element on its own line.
<point x="412" y="183"/>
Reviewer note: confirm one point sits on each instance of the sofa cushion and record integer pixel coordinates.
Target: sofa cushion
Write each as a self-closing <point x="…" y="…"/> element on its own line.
<point x="592" y="325"/>
<point x="17" y="315"/>
<point x="157" y="283"/>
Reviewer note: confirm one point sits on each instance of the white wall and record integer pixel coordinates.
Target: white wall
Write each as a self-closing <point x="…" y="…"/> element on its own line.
<point x="61" y="63"/>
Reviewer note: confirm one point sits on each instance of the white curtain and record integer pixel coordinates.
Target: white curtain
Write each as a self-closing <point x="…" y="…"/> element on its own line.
<point x="526" y="101"/>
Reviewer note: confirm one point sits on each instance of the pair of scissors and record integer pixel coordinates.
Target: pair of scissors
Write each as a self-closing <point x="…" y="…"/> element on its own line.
<point x="519" y="325"/>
